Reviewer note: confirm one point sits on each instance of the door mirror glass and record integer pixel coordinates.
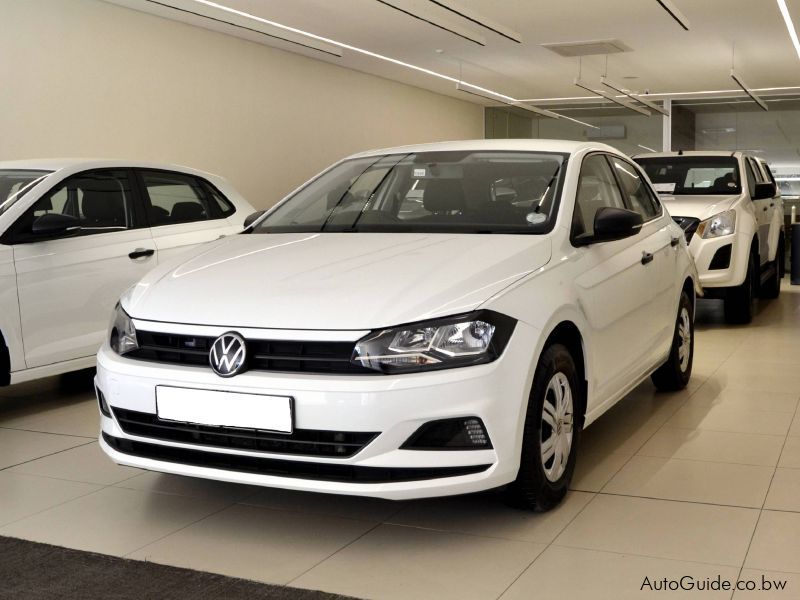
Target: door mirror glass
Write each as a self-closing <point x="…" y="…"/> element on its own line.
<point x="612" y="223"/>
<point x="252" y="218"/>
<point x="763" y="191"/>
<point x="53" y="225"/>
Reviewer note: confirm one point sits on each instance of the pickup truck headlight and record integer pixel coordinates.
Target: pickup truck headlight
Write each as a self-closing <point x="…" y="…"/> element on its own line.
<point x="721" y="224"/>
<point x="122" y="333"/>
<point x="458" y="341"/>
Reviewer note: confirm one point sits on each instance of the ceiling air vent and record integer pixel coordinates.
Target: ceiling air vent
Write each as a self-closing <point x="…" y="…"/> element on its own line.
<point x="589" y="48"/>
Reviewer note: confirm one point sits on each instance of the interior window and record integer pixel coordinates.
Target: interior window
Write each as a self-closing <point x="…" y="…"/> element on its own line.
<point x="636" y="191"/>
<point x="101" y="201"/>
<point x="174" y="198"/>
<point x="597" y="189"/>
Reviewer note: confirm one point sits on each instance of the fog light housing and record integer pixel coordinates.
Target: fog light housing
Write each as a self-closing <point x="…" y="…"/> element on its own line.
<point x="466" y="433"/>
<point x="101" y="402"/>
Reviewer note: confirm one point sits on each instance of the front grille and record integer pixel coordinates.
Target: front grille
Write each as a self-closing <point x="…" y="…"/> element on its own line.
<point x="689" y="226"/>
<point x="263" y="355"/>
<point x="285" y="468"/>
<point x="303" y="442"/>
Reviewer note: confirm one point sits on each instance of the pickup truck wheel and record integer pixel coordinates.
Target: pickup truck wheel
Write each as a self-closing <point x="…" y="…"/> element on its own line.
<point x="674" y="374"/>
<point x="772" y="286"/>
<point x="740" y="301"/>
<point x="553" y="425"/>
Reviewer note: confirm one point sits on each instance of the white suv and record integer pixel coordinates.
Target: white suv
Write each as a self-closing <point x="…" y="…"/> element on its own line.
<point x="353" y="341"/>
<point x="732" y="212"/>
<point x="75" y="234"/>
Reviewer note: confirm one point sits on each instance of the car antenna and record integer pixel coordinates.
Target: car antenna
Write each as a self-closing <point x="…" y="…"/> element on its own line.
<point x="680" y="152"/>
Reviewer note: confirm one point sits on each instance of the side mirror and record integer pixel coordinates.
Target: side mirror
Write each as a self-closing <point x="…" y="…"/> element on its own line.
<point x="53" y="225"/>
<point x="252" y="218"/>
<point x="612" y="224"/>
<point x="763" y="191"/>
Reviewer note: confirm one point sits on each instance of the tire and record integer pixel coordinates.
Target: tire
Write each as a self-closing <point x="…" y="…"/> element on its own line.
<point x="542" y="484"/>
<point x="674" y="374"/>
<point x="772" y="286"/>
<point x="740" y="301"/>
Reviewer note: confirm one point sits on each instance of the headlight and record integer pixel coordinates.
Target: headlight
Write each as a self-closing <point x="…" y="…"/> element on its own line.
<point x="122" y="335"/>
<point x="458" y="341"/>
<point x="718" y="225"/>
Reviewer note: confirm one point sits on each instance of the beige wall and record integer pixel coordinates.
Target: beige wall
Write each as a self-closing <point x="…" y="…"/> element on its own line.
<point x="87" y="78"/>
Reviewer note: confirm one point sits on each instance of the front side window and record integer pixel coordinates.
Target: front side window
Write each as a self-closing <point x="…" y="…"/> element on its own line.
<point x="597" y="189"/>
<point x="15" y="183"/>
<point x="436" y="192"/>
<point x="175" y="198"/>
<point x="693" y="175"/>
<point x="636" y="191"/>
<point x="99" y="202"/>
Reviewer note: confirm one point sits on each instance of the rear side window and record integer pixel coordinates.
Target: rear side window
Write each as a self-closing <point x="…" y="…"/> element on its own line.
<point x="219" y="202"/>
<point x="637" y="192"/>
<point x="175" y="198"/>
<point x="597" y="188"/>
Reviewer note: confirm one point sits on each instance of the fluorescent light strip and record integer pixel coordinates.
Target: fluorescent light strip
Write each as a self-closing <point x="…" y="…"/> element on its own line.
<point x="461" y="32"/>
<point x="648" y="148"/>
<point x="748" y="91"/>
<point x="673" y="11"/>
<point x="664" y="94"/>
<point x="633" y="96"/>
<point x="789" y="25"/>
<point x="614" y="99"/>
<point x="471" y="15"/>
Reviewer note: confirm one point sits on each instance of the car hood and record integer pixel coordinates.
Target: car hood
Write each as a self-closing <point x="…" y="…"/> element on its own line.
<point x="698" y="207"/>
<point x="334" y="280"/>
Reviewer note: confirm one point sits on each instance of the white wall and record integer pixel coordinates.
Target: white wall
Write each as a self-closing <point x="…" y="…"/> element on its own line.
<point x="87" y="78"/>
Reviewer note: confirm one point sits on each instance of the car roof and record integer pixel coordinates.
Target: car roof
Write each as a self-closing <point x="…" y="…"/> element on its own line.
<point x="520" y="145"/>
<point x="735" y="153"/>
<point x="79" y="164"/>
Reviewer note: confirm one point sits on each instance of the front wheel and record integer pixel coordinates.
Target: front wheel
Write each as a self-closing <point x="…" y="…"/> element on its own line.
<point x="553" y="425"/>
<point x="740" y="301"/>
<point x="674" y="374"/>
<point x="772" y="286"/>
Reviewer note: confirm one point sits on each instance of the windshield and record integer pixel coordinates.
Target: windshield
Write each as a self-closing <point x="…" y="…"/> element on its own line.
<point x="434" y="192"/>
<point x="15" y="183"/>
<point x="693" y="174"/>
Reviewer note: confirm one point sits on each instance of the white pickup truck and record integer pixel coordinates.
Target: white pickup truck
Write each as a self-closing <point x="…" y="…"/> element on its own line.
<point x="731" y="210"/>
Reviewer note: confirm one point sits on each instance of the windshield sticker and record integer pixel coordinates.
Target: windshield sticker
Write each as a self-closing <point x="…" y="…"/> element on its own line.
<point x="419" y="172"/>
<point x="535" y="218"/>
<point x="664" y="188"/>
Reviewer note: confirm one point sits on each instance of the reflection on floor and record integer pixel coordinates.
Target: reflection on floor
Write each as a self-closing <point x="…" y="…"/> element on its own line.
<point x="702" y="483"/>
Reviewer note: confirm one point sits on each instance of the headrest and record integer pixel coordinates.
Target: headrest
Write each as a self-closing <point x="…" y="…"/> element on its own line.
<point x="442" y="195"/>
<point x="187" y="211"/>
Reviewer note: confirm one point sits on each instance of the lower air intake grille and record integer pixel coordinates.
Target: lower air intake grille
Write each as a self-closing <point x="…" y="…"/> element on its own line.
<point x="284" y="468"/>
<point x="303" y="442"/>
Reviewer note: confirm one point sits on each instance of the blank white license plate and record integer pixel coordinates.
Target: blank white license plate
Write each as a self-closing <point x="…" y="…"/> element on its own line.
<point x="224" y="409"/>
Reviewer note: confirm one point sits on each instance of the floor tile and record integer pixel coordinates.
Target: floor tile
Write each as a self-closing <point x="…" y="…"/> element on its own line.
<point x="350" y="507"/>
<point x="574" y="574"/>
<point x="782" y="381"/>
<point x="219" y="491"/>
<point x="488" y="515"/>
<point x="80" y="419"/>
<point x="711" y="395"/>
<point x="112" y="520"/>
<point x="85" y="463"/>
<point x="255" y="543"/>
<point x="663" y="529"/>
<point x="406" y="562"/>
<point x="790" y="457"/>
<point x="20" y="446"/>
<point x="24" y="495"/>
<point x="593" y="470"/>
<point x="693" y="481"/>
<point x="737" y="420"/>
<point x="795" y="428"/>
<point x="770" y="585"/>
<point x="776" y="543"/>
<point x="784" y="493"/>
<point x="715" y="446"/>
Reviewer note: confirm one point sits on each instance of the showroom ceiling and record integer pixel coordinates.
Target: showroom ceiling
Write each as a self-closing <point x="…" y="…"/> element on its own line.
<point x="658" y="54"/>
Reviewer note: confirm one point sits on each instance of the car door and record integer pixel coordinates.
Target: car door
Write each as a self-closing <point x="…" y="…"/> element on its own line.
<point x="183" y="210"/>
<point x="761" y="207"/>
<point x="69" y="283"/>
<point x="775" y="209"/>
<point x="618" y="285"/>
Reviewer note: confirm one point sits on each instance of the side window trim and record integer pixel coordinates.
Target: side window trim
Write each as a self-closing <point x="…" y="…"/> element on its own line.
<point x="642" y="176"/>
<point x="604" y="155"/>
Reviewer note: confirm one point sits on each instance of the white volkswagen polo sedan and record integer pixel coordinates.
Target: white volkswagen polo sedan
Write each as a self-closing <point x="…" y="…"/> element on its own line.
<point x="75" y="234"/>
<point x="365" y="338"/>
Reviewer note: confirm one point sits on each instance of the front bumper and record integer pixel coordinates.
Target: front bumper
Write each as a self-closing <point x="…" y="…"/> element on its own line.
<point x="393" y="406"/>
<point x="704" y="250"/>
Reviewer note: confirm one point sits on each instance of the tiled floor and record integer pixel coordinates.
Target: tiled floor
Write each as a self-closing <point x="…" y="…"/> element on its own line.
<point x="702" y="483"/>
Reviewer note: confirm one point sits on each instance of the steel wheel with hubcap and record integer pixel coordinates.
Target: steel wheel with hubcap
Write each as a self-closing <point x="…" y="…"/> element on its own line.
<point x="674" y="374"/>
<point x="556" y="431"/>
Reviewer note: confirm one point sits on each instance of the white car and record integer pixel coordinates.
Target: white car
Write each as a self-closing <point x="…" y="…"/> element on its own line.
<point x="732" y="212"/>
<point x="75" y="234"/>
<point x="343" y="344"/>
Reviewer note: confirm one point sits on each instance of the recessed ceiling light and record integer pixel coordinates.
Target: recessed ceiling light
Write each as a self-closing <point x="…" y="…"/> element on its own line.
<point x="787" y="17"/>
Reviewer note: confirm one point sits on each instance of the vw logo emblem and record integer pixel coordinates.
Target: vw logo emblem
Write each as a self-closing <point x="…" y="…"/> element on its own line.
<point x="228" y="354"/>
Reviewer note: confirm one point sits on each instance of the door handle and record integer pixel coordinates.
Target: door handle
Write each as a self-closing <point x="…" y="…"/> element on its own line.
<point x="674" y="241"/>
<point x="141" y="253"/>
<point x="647" y="257"/>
